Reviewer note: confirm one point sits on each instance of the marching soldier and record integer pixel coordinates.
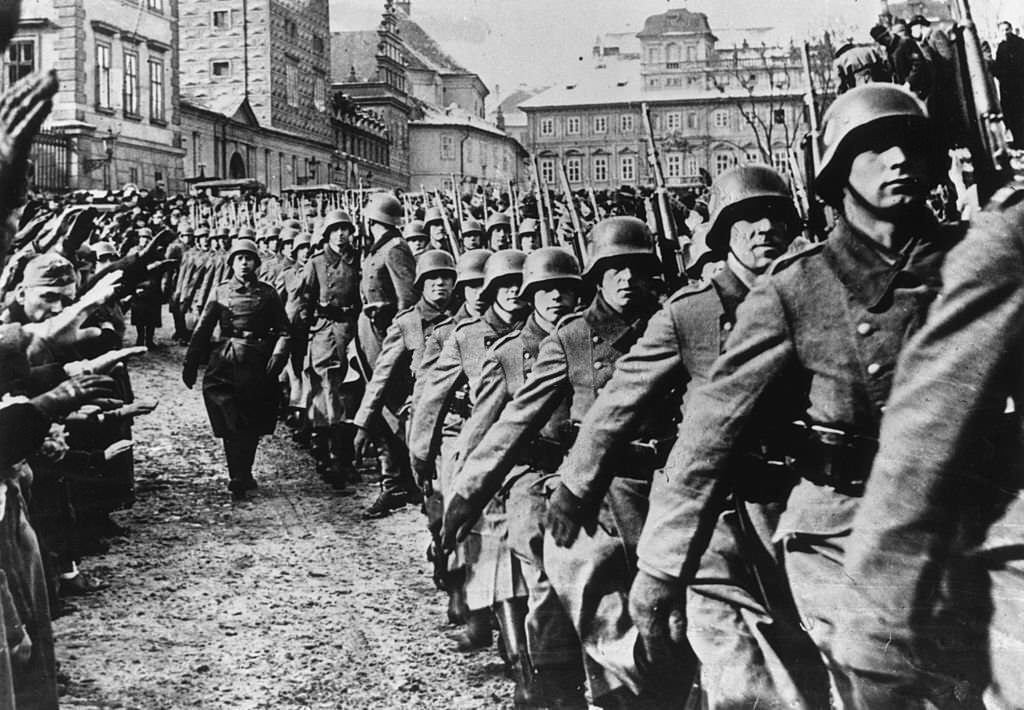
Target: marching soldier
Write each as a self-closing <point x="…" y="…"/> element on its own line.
<point x="179" y="250"/>
<point x="550" y="671"/>
<point x="329" y="306"/>
<point x="416" y="236"/>
<point x="433" y="222"/>
<point x="387" y="287"/>
<point x="399" y="362"/>
<point x="747" y="657"/>
<point x="528" y="235"/>
<point x="472" y="235"/>
<point x="499" y="232"/>
<point x="450" y="385"/>
<point x="806" y="372"/>
<point x="240" y="384"/>
<point x="573" y="364"/>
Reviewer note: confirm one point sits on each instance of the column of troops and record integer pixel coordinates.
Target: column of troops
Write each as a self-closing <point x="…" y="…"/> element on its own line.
<point x="656" y="498"/>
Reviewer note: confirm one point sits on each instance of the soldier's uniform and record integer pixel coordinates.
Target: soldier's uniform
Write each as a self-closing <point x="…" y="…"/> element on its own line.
<point x="815" y="343"/>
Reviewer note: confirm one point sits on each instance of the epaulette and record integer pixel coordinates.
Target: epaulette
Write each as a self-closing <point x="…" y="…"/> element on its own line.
<point x="787" y="260"/>
<point x="410" y="309"/>
<point x="568" y="318"/>
<point x="466" y="323"/>
<point x="690" y="289"/>
<point x="505" y="339"/>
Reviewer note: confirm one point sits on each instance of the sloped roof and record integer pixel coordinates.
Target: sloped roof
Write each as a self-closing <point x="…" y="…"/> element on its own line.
<point x="354" y="48"/>
<point x="424" y="51"/>
<point x="675" y="21"/>
<point x="455" y="116"/>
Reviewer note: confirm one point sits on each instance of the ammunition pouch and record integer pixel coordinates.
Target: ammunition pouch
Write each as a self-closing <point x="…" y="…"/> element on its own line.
<point x="544" y="454"/>
<point x="460" y="404"/>
<point x="832" y="458"/>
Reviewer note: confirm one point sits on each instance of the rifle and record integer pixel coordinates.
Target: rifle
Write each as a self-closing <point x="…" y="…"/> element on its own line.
<point x="513" y="205"/>
<point x="668" y="244"/>
<point x="987" y="142"/>
<point x="811" y="145"/>
<point x="574" y="215"/>
<point x="542" y="219"/>
<point x="457" y="198"/>
<point x="452" y="241"/>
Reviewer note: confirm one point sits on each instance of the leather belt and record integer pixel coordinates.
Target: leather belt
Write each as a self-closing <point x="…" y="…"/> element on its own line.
<point x="833" y="458"/>
<point x="338" y="314"/>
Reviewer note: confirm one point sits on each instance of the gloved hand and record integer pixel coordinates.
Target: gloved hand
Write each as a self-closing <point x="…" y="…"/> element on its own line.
<point x="103" y="363"/>
<point x="188" y="374"/>
<point x="658" y="609"/>
<point x="425" y="474"/>
<point x="275" y="365"/>
<point x="72" y="393"/>
<point x="21" y="652"/>
<point x="566" y="514"/>
<point x="460" y="516"/>
<point x="361" y="442"/>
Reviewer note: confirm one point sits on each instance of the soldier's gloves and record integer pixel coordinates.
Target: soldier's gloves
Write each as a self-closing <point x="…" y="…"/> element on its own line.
<point x="276" y="364"/>
<point x="459" y="518"/>
<point x="361" y="442"/>
<point x="103" y="363"/>
<point x="657" y="607"/>
<point x="72" y="393"/>
<point x="188" y="374"/>
<point x="566" y="514"/>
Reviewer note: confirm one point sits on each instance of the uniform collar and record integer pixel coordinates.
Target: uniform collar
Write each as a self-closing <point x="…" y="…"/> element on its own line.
<point x="610" y="325"/>
<point x="240" y="285"/>
<point x="461" y="314"/>
<point x="497" y="324"/>
<point x="429" y="313"/>
<point x="379" y="244"/>
<point x="532" y="332"/>
<point x="869" y="270"/>
<point x="731" y="290"/>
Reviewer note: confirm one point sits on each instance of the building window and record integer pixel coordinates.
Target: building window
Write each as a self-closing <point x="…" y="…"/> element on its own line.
<point x="156" y="89"/>
<point x="103" y="76"/>
<point x="572" y="125"/>
<point x="721" y="118"/>
<point x="692" y="169"/>
<point x="220" y="68"/>
<point x="291" y="29"/>
<point x="318" y="44"/>
<point x="674" y="165"/>
<point x="600" y="168"/>
<point x="780" y="160"/>
<point x="626" y="123"/>
<point x="21" y="59"/>
<point x="155" y="5"/>
<point x="673" y="121"/>
<point x="547" y="126"/>
<point x="723" y="161"/>
<point x="221" y="19"/>
<point x="447" y="148"/>
<point x="691" y="120"/>
<point x="320" y="93"/>
<point x="627" y="168"/>
<point x="291" y="83"/>
<point x="574" y="169"/>
<point x="133" y="175"/>
<point x="131" y="83"/>
<point x="600" y="124"/>
<point x="654" y="55"/>
<point x="547" y="170"/>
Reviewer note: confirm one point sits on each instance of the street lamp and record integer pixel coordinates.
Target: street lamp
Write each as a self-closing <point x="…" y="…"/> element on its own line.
<point x="91" y="164"/>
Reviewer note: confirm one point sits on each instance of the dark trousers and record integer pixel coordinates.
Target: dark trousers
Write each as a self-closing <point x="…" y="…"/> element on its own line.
<point x="240" y="450"/>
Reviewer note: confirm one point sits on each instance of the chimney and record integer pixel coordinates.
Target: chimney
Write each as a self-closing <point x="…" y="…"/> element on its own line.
<point x="404" y="6"/>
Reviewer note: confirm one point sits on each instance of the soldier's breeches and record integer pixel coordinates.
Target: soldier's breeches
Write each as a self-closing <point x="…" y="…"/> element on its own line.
<point x="549" y="632"/>
<point x="494" y="575"/>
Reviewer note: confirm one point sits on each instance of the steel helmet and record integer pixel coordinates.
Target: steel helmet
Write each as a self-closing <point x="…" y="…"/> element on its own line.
<point x="302" y="239"/>
<point x="287" y="235"/>
<point x="384" y="208"/>
<point x="292" y="224"/>
<point x="432" y="262"/>
<point x="337" y="217"/>
<point x="498" y="219"/>
<point x="471" y="266"/>
<point x="868" y="109"/>
<point x="223" y="233"/>
<point x="618" y="237"/>
<point x="246" y="233"/>
<point x="433" y="214"/>
<point x="241" y="246"/>
<point x="185" y="230"/>
<point x="528" y="226"/>
<point x="739" y="189"/>
<point x="502" y="264"/>
<point x="415" y="230"/>
<point x="104" y="249"/>
<point x="471" y="226"/>
<point x="549" y="264"/>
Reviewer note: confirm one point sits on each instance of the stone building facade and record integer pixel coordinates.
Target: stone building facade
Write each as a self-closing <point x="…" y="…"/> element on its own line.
<point x="115" y="118"/>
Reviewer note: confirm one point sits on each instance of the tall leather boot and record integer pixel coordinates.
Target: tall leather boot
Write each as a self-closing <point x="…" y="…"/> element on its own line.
<point x="320" y="447"/>
<point x="511" y="615"/>
<point x="342" y="451"/>
<point x="560" y="687"/>
<point x="477" y="634"/>
<point x="247" y="446"/>
<point x="232" y="452"/>
<point x="457" y="609"/>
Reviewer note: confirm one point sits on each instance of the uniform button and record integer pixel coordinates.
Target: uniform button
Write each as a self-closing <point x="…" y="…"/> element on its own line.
<point x="727" y="327"/>
<point x="596" y="339"/>
<point x="526" y="356"/>
<point x="864" y="328"/>
<point x="873" y="368"/>
<point x="598" y="365"/>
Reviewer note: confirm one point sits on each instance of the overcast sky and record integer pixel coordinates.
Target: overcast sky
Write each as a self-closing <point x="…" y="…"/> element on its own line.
<point x="536" y="42"/>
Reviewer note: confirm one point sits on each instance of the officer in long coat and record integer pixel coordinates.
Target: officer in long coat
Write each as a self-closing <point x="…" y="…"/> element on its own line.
<point x="747" y="656"/>
<point x="539" y="639"/>
<point x="807" y="370"/>
<point x="240" y="383"/>
<point x="573" y="364"/>
<point x="325" y="318"/>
